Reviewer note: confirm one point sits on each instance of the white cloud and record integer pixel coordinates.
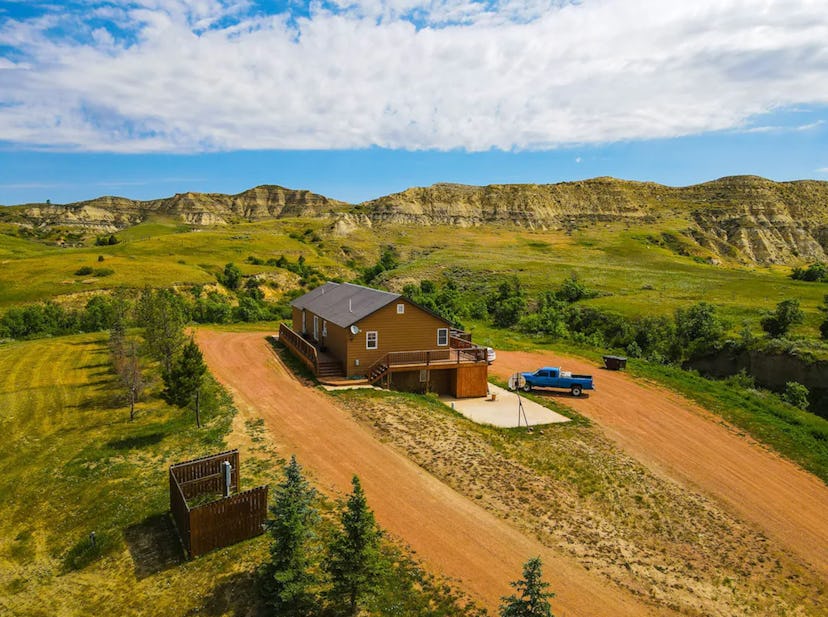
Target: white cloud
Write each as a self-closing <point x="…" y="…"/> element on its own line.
<point x="810" y="126"/>
<point x="823" y="170"/>
<point x="784" y="129"/>
<point x="171" y="75"/>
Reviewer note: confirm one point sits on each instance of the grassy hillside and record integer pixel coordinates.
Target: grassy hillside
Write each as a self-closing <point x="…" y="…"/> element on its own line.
<point x="157" y="253"/>
<point x="633" y="268"/>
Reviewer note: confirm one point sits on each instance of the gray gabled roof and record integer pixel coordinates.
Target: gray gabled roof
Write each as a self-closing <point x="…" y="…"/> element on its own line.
<point x="343" y="303"/>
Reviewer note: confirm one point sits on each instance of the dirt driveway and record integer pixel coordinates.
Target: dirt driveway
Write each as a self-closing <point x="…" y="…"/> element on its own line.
<point x="451" y="533"/>
<point x="675" y="436"/>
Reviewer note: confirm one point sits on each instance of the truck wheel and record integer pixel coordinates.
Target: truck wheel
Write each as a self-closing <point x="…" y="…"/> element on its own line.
<point x="576" y="390"/>
<point x="527" y="387"/>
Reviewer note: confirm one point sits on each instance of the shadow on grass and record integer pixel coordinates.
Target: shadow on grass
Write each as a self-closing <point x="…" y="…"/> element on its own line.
<point x="137" y="441"/>
<point x="86" y="367"/>
<point x="555" y="394"/>
<point x="153" y="545"/>
<point x="94" y="346"/>
<point x="106" y="401"/>
<point x="235" y="594"/>
<point x="105" y="371"/>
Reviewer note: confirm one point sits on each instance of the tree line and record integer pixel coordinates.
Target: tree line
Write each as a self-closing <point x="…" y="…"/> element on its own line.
<point x="337" y="572"/>
<point x="559" y="314"/>
<point x="242" y="302"/>
<point x="161" y="317"/>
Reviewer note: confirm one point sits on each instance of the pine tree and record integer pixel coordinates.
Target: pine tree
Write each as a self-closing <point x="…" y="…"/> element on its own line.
<point x="533" y="598"/>
<point x="354" y="558"/>
<point x="163" y="317"/>
<point x="183" y="381"/>
<point x="287" y="580"/>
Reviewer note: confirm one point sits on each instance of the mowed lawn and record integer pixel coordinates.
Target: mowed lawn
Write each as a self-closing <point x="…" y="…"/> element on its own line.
<point x="73" y="463"/>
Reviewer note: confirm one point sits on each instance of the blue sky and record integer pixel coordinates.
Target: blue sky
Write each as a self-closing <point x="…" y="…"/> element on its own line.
<point x="359" y="98"/>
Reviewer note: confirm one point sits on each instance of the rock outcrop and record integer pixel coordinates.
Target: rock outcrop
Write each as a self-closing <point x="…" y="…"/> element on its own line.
<point x="110" y="214"/>
<point x="745" y="218"/>
<point x="742" y="218"/>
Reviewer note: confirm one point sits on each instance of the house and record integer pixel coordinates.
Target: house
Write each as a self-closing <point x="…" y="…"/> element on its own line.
<point x="345" y="331"/>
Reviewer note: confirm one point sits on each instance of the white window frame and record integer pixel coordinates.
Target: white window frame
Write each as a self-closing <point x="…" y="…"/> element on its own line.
<point x="304" y="327"/>
<point x="445" y="332"/>
<point x="368" y="339"/>
<point x="316" y="327"/>
<point x="400" y="309"/>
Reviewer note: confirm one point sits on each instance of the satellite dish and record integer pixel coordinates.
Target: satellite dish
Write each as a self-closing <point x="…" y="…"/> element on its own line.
<point x="354" y="329"/>
<point x="517" y="381"/>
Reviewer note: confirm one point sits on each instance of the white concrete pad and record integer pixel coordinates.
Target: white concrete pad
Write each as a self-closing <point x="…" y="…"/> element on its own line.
<point x="503" y="411"/>
<point x="358" y="386"/>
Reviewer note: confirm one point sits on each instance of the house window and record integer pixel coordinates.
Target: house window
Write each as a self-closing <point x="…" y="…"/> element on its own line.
<point x="316" y="327"/>
<point x="442" y="337"/>
<point x="371" y="340"/>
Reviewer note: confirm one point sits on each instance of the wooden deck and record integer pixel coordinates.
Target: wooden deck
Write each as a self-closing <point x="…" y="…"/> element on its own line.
<point x="329" y="370"/>
<point x="430" y="359"/>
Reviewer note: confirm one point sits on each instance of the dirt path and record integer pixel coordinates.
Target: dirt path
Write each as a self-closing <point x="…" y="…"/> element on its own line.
<point x="677" y="437"/>
<point x="452" y="534"/>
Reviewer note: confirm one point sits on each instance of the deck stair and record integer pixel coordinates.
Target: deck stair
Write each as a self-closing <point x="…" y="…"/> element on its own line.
<point x="329" y="368"/>
<point x="378" y="370"/>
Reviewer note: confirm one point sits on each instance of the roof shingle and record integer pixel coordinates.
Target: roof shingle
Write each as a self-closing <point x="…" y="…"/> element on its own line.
<point x="343" y="303"/>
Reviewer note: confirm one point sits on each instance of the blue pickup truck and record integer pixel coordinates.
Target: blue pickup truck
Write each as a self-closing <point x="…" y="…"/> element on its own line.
<point x="553" y="377"/>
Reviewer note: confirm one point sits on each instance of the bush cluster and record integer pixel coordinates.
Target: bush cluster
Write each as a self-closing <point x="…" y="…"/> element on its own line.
<point x="309" y="276"/>
<point x="101" y="311"/>
<point x="52" y="319"/>
<point x="557" y="313"/>
<point x="106" y="240"/>
<point x="389" y="259"/>
<point x="816" y="272"/>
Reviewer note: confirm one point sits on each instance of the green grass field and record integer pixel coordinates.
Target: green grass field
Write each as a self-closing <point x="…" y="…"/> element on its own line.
<point x="74" y="464"/>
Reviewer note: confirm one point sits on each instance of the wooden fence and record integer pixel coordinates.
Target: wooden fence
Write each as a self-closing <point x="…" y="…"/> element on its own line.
<point x="221" y="522"/>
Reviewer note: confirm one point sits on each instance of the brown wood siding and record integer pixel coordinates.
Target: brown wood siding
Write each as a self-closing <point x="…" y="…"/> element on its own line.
<point x="297" y="321"/>
<point x="471" y="381"/>
<point x="414" y="330"/>
<point x="337" y="342"/>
